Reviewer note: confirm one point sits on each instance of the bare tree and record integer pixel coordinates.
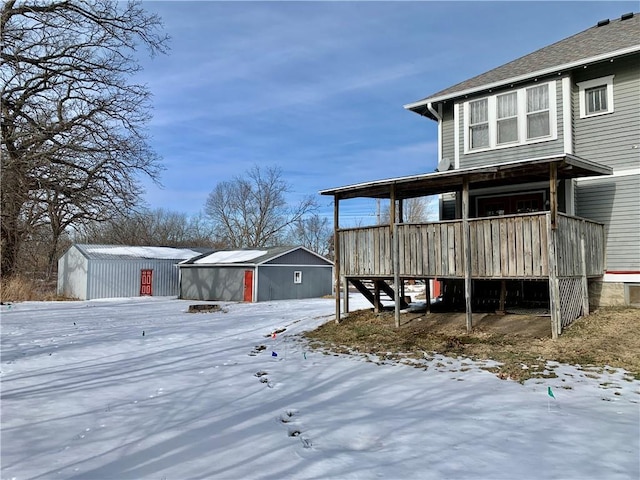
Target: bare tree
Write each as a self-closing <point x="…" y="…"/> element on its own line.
<point x="415" y="210"/>
<point x="72" y="126"/>
<point x="312" y="232"/>
<point x="150" y="227"/>
<point x="252" y="211"/>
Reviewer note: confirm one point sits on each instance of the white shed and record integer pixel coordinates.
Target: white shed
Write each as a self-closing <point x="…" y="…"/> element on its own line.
<point x="106" y="271"/>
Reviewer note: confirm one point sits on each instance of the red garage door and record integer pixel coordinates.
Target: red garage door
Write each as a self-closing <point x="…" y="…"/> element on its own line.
<point x="146" y="280"/>
<point x="248" y="285"/>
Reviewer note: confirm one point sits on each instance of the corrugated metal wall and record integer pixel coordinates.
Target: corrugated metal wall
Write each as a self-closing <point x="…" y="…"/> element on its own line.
<point x="72" y="274"/>
<point x="213" y="283"/>
<point x="276" y="283"/>
<point x="121" y="278"/>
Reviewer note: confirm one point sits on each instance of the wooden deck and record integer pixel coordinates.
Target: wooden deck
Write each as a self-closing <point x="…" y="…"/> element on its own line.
<point x="509" y="247"/>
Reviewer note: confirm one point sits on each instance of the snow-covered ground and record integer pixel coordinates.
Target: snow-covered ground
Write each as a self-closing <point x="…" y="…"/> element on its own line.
<point x="86" y="396"/>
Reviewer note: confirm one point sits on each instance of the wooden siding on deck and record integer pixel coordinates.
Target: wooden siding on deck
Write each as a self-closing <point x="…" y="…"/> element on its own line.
<point x="508" y="247"/>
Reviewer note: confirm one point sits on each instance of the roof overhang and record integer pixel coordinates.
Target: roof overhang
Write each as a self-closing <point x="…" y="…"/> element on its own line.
<point x="510" y="173"/>
<point x="420" y="107"/>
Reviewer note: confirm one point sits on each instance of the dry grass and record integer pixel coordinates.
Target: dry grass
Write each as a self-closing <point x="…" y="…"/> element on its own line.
<point x="20" y="289"/>
<point x="523" y="344"/>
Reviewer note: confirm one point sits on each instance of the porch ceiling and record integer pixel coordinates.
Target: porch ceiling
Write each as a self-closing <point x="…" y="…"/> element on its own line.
<point x="511" y="173"/>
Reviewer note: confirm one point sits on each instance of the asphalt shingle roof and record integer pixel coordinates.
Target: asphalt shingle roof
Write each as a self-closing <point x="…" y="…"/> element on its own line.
<point x="616" y="36"/>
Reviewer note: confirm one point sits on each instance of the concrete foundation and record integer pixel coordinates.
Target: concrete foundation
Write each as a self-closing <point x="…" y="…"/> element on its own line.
<point x="606" y="294"/>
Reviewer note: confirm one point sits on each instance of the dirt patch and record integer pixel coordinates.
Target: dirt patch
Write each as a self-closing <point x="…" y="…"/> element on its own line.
<point x="522" y="343"/>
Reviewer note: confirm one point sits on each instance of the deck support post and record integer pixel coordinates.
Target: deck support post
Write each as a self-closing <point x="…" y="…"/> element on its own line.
<point x="377" y="304"/>
<point x="345" y="298"/>
<point x="336" y="254"/>
<point x="585" y="286"/>
<point x="427" y="291"/>
<point x="395" y="242"/>
<point x="503" y="297"/>
<point x="466" y="248"/>
<point x="552" y="240"/>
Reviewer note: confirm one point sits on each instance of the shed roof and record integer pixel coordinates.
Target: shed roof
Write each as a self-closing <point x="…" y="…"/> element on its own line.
<point x="607" y="40"/>
<point x="127" y="252"/>
<point x="246" y="256"/>
<point x="509" y="173"/>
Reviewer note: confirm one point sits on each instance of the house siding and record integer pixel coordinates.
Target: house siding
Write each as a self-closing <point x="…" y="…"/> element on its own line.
<point x="213" y="283"/>
<point x="276" y="282"/>
<point x="610" y="139"/>
<point x="614" y="201"/>
<point x="510" y="154"/>
<point x="448" y="134"/>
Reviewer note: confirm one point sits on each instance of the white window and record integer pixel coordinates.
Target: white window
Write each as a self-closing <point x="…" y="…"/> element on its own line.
<point x="479" y="124"/>
<point x="518" y="117"/>
<point x="297" y="276"/>
<point x="596" y="97"/>
<point x="507" y="118"/>
<point x="538" y="118"/>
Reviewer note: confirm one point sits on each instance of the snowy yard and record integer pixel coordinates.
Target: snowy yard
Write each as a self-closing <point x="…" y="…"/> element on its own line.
<point x="86" y="396"/>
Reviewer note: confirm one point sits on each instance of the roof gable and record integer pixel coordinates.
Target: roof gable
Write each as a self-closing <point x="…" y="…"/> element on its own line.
<point x="251" y="257"/>
<point x="612" y="39"/>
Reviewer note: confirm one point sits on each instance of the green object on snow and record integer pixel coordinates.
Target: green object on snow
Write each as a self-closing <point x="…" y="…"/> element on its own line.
<point x="550" y="392"/>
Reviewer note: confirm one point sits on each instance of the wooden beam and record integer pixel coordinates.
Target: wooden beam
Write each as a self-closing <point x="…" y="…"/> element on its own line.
<point x="336" y="253"/>
<point x="396" y="274"/>
<point x="554" y="286"/>
<point x="466" y="249"/>
<point x="585" y="285"/>
<point x="392" y="206"/>
<point x="503" y="296"/>
<point x="395" y="242"/>
<point x="553" y="193"/>
<point x="377" y="303"/>
<point x="427" y="291"/>
<point x="345" y="297"/>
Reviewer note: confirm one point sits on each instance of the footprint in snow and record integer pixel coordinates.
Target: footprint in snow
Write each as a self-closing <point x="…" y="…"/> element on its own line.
<point x="288" y="418"/>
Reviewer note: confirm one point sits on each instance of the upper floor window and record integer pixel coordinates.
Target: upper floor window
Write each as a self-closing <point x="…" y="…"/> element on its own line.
<point x="522" y="116"/>
<point x="538" y="121"/>
<point x="596" y="96"/>
<point x="479" y="123"/>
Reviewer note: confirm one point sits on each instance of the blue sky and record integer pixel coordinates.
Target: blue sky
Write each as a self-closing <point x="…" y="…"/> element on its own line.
<point x="318" y="88"/>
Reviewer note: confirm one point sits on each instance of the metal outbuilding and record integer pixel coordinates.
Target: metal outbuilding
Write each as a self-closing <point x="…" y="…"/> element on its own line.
<point x="256" y="275"/>
<point x="106" y="271"/>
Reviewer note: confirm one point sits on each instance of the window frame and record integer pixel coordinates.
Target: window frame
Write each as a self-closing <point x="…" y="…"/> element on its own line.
<point x="606" y="82"/>
<point x="479" y="124"/>
<point x="297" y="277"/>
<point x="521" y="119"/>
<point x="507" y="118"/>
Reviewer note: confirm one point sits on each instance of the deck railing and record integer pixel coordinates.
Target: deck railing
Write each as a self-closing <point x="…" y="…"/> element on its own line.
<point x="508" y="247"/>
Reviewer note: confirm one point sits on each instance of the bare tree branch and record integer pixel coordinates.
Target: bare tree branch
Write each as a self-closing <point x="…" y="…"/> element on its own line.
<point x="252" y="210"/>
<point x="73" y="141"/>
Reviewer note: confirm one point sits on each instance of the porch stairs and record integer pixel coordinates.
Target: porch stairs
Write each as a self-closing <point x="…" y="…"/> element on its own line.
<point x="372" y="290"/>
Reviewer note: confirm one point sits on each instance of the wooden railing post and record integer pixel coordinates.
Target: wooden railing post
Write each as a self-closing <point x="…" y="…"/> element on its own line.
<point x="583" y="262"/>
<point x="336" y="254"/>
<point x="466" y="248"/>
<point x="554" y="287"/>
